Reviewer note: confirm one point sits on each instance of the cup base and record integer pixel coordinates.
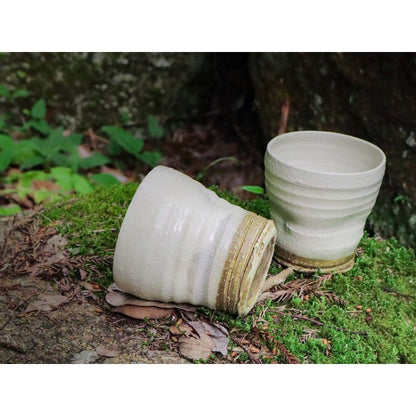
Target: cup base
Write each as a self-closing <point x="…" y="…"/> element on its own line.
<point x="246" y="266"/>
<point x="305" y="265"/>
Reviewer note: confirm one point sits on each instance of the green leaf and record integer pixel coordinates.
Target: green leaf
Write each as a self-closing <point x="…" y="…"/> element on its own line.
<point x="81" y="184"/>
<point x="114" y="149"/>
<point x="2" y="123"/>
<point x="63" y="177"/>
<point x="28" y="177"/>
<point x="41" y="195"/>
<point x="4" y="91"/>
<point x="33" y="161"/>
<point x="60" y="171"/>
<point x="53" y="143"/>
<point x="39" y="109"/>
<point x="9" y="210"/>
<point x="71" y="141"/>
<point x="104" y="179"/>
<point x="253" y="189"/>
<point x="96" y="159"/>
<point x="39" y="125"/>
<point x="151" y="158"/>
<point x="59" y="159"/>
<point x="25" y="149"/>
<point x="6" y="156"/>
<point x="125" y="139"/>
<point x="21" y="93"/>
<point x="155" y="129"/>
<point x="6" y="141"/>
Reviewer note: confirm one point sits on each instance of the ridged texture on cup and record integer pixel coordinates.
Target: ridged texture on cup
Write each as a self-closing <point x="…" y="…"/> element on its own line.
<point x="322" y="186"/>
<point x="247" y="263"/>
<point x="175" y="240"/>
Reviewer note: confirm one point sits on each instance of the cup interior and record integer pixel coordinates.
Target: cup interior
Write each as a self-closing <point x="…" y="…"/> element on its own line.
<point x="326" y="152"/>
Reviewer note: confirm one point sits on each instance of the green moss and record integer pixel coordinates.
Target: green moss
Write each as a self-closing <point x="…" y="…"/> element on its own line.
<point x="91" y="223"/>
<point x="377" y="323"/>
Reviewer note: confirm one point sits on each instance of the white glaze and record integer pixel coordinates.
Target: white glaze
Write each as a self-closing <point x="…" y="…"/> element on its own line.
<point x="175" y="239"/>
<point x="322" y="187"/>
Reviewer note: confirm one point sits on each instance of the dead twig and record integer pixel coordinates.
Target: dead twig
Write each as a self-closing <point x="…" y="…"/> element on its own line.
<point x="11" y="345"/>
<point x="253" y="359"/>
<point x="283" y="118"/>
<point x="319" y="323"/>
<point x="276" y="279"/>
<point x="274" y="345"/>
<point x="403" y="295"/>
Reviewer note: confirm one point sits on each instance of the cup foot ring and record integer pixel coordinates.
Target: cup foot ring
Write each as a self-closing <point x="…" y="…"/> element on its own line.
<point x="305" y="265"/>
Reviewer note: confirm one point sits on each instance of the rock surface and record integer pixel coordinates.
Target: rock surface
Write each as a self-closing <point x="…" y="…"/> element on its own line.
<point x="85" y="90"/>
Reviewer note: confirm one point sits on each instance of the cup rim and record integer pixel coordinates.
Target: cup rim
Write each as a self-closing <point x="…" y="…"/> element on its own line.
<point x="334" y="134"/>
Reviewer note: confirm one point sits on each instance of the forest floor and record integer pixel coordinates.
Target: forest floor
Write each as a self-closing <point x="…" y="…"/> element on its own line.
<point x="57" y="304"/>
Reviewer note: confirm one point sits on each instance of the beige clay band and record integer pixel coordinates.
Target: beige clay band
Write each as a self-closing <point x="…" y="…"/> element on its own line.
<point x="246" y="265"/>
<point x="302" y="264"/>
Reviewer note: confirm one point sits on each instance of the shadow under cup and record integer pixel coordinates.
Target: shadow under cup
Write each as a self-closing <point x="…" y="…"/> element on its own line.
<point x="322" y="186"/>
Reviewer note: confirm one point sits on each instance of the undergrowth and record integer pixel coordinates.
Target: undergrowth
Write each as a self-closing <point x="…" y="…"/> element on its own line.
<point x="368" y="316"/>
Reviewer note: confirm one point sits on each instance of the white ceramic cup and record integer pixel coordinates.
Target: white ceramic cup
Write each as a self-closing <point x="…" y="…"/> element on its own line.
<point x="179" y="242"/>
<point x="322" y="186"/>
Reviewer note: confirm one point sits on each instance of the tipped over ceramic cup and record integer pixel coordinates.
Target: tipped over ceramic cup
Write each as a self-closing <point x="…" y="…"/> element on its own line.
<point x="179" y="242"/>
<point x="322" y="186"/>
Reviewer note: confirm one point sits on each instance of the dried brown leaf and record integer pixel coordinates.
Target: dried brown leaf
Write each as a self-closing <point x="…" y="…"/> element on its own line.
<point x="47" y="303"/>
<point x="217" y="332"/>
<point x="209" y="338"/>
<point x="115" y="297"/>
<point x="142" y="312"/>
<point x="181" y="329"/>
<point x="106" y="352"/>
<point x="90" y="286"/>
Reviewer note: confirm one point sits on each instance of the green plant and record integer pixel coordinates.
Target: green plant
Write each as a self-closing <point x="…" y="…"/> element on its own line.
<point x="258" y="190"/>
<point x="122" y="139"/>
<point x="43" y="163"/>
<point x="202" y="174"/>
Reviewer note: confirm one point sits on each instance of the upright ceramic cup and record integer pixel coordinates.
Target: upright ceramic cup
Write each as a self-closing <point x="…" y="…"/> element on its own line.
<point x="179" y="242"/>
<point x="322" y="186"/>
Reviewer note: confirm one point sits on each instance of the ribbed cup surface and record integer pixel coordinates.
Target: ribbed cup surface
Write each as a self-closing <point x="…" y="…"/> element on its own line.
<point x="175" y="240"/>
<point x="322" y="186"/>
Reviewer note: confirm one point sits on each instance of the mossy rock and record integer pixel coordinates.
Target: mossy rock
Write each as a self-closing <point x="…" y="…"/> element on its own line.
<point x="89" y="90"/>
<point x="373" y="317"/>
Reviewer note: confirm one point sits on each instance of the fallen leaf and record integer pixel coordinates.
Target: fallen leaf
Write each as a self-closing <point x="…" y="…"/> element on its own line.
<point x="180" y="329"/>
<point x="47" y="303"/>
<point x="115" y="297"/>
<point x="142" y="312"/>
<point x="90" y="286"/>
<point x="84" y="151"/>
<point x="210" y="338"/>
<point x="48" y="185"/>
<point x="83" y="274"/>
<point x="105" y="352"/>
<point x="196" y="348"/>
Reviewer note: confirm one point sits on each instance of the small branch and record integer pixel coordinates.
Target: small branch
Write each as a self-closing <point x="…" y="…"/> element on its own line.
<point x="283" y="118"/>
<point x="314" y="321"/>
<point x="9" y="344"/>
<point x="403" y="295"/>
<point x="276" y="279"/>
<point x="254" y="359"/>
